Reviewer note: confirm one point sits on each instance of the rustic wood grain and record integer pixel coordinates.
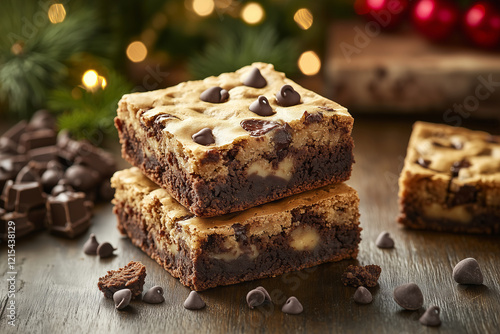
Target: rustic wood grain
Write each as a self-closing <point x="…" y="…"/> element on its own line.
<point x="57" y="283"/>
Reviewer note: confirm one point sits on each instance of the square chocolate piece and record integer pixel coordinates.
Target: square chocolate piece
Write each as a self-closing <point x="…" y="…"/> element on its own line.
<point x="451" y="180"/>
<point x="301" y="231"/>
<point x="232" y="142"/>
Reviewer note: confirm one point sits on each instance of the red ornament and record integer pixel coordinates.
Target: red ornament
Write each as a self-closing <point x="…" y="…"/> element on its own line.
<point x="387" y="13"/>
<point x="435" y="19"/>
<point x="482" y="24"/>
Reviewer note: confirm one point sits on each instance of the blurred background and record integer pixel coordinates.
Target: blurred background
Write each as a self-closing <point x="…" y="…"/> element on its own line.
<point x="437" y="59"/>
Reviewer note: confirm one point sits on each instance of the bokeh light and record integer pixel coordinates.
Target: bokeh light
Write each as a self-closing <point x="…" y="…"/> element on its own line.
<point x="103" y="82"/>
<point x="137" y="51"/>
<point x="252" y="13"/>
<point x="309" y="63"/>
<point x="56" y="13"/>
<point x="203" y="7"/>
<point x="90" y="79"/>
<point x="304" y="18"/>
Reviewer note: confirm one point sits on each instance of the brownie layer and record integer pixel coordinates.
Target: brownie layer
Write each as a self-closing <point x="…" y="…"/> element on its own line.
<point x="199" y="271"/>
<point x="313" y="166"/>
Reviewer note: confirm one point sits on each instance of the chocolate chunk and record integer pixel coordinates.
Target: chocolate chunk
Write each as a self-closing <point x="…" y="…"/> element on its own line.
<point x="105" y="250"/>
<point x="8" y="146"/>
<point x="22" y="224"/>
<point x="384" y="240"/>
<point x="282" y="137"/>
<point x="458" y="165"/>
<point x="431" y="317"/>
<point x="122" y="298"/>
<point x="255" y="298"/>
<point x="266" y="294"/>
<point x="42" y="119"/>
<point x="254" y="79"/>
<point x="361" y="276"/>
<point x="37" y="139"/>
<point x="43" y="154"/>
<point x="15" y="132"/>
<point x="81" y="178"/>
<point x="261" y="106"/>
<point x="68" y="214"/>
<point x="95" y="158"/>
<point x="423" y="162"/>
<point x="90" y="246"/>
<point x="28" y="174"/>
<point x="21" y="197"/>
<point x="312" y="118"/>
<point x="194" y="301"/>
<point x="468" y="271"/>
<point x="131" y="276"/>
<point x="204" y="137"/>
<point x="463" y="195"/>
<point x="50" y="178"/>
<point x="258" y="127"/>
<point x="154" y="295"/>
<point x="409" y="296"/>
<point x="292" y="306"/>
<point x="363" y="295"/>
<point x="287" y="96"/>
<point x="215" y="95"/>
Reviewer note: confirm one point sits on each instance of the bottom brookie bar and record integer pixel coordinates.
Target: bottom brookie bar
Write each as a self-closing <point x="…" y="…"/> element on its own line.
<point x="297" y="232"/>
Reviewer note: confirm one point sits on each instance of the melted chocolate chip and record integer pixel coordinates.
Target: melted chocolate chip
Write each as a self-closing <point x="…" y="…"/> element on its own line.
<point x="312" y="118"/>
<point x="254" y="79"/>
<point x="258" y="127"/>
<point x="204" y="137"/>
<point x="240" y="233"/>
<point x="163" y="117"/>
<point x="287" y="96"/>
<point x="458" y="165"/>
<point x="214" y="95"/>
<point x="493" y="140"/>
<point x="326" y="108"/>
<point x="282" y="137"/>
<point x="465" y="194"/>
<point x="423" y="162"/>
<point x="261" y="106"/>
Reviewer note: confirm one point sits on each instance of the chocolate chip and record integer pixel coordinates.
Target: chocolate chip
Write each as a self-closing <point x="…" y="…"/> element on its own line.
<point x="254" y="79"/>
<point x="258" y="127"/>
<point x="282" y="137"/>
<point x="255" y="298"/>
<point x="204" y="137"/>
<point x="105" y="250"/>
<point x="363" y="295"/>
<point x="122" y="298"/>
<point x="261" y="106"/>
<point x="468" y="271"/>
<point x="312" y="118"/>
<point x="423" y="162"/>
<point x="292" y="306"/>
<point x="266" y="294"/>
<point x="61" y="187"/>
<point x="194" y="301"/>
<point x="361" y="275"/>
<point x="154" y="295"/>
<point x="409" y="296"/>
<point x="431" y="317"/>
<point x="81" y="178"/>
<point x="326" y="108"/>
<point x="287" y="96"/>
<point x="50" y="178"/>
<point x="384" y="240"/>
<point x="463" y="195"/>
<point x="458" y="165"/>
<point x="215" y="95"/>
<point x="90" y="246"/>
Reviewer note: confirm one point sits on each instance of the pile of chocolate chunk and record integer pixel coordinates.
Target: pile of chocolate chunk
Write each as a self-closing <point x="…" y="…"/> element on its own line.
<point x="49" y="180"/>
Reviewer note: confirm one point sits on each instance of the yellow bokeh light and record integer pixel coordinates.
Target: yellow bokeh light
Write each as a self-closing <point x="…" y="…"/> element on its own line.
<point x="309" y="63"/>
<point x="304" y="18"/>
<point x="203" y="7"/>
<point x="90" y="79"/>
<point x="137" y="51"/>
<point x="252" y="13"/>
<point x="103" y="82"/>
<point x="56" y="13"/>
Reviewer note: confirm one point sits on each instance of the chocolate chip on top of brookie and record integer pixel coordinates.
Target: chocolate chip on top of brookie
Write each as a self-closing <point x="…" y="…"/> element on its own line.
<point x="241" y="139"/>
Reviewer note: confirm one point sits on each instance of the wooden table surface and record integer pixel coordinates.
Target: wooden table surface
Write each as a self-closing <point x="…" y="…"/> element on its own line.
<point x="57" y="284"/>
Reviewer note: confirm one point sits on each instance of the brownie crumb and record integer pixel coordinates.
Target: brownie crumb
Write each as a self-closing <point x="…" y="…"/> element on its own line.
<point x="131" y="277"/>
<point x="361" y="275"/>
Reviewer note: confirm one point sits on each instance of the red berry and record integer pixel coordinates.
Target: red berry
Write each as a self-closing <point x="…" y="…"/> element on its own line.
<point x="482" y="24"/>
<point x="387" y="13"/>
<point x="435" y="19"/>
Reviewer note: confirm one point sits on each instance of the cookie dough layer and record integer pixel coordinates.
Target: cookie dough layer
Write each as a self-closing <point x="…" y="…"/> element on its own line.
<point x="299" y="148"/>
<point x="451" y="180"/>
<point x="298" y="232"/>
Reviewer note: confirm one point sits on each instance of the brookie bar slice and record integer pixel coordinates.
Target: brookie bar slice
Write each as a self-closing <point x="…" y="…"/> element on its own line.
<point x="451" y="180"/>
<point x="218" y="146"/>
<point x="301" y="231"/>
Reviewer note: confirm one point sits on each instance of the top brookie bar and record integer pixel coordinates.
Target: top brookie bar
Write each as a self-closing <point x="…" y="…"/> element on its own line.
<point x="235" y="141"/>
<point x="451" y="180"/>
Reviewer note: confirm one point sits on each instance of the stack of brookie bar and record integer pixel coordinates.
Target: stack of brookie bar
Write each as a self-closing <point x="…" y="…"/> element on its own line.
<point x="236" y="177"/>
